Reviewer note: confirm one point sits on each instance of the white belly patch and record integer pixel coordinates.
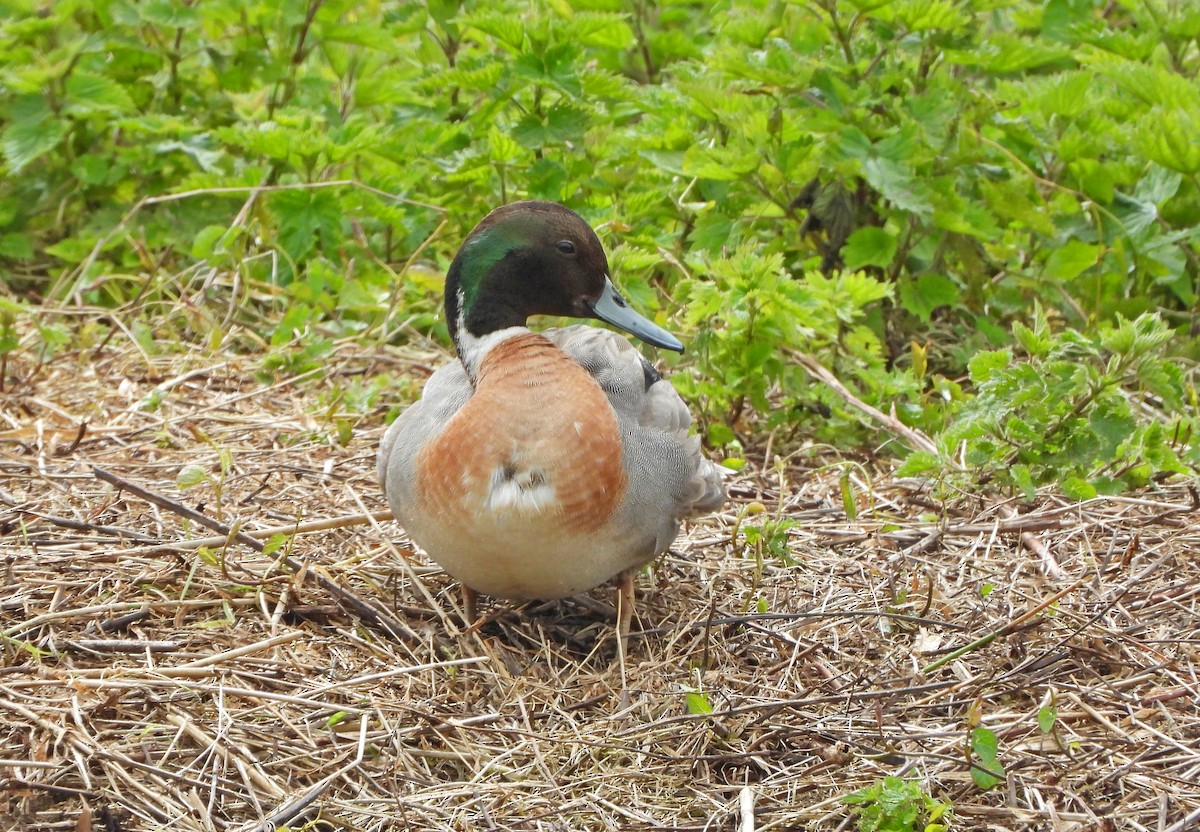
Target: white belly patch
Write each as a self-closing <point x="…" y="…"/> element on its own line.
<point x="520" y="491"/>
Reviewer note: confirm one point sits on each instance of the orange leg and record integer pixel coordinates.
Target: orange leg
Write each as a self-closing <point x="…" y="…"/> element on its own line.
<point x="625" y="601"/>
<point x="469" y="597"/>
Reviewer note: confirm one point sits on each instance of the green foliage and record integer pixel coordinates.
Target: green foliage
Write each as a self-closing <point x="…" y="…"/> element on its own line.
<point x="897" y="805"/>
<point x="192" y="475"/>
<point x="1047" y="717"/>
<point x="986" y="770"/>
<point x="749" y="313"/>
<point x="9" y="340"/>
<point x="770" y="537"/>
<point x="1092" y="414"/>
<point x="888" y="187"/>
<point x="697" y="702"/>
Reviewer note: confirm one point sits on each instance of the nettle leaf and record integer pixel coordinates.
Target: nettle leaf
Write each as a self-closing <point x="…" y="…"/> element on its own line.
<point x="1033" y="342"/>
<point x="1156" y="86"/>
<point x="202" y="149"/>
<point x="1138" y="336"/>
<point x="924" y="15"/>
<point x="366" y="35"/>
<point x="1023" y="479"/>
<point x="501" y="147"/>
<point x="608" y="30"/>
<point x="917" y="463"/>
<point x="168" y="13"/>
<point x="724" y="164"/>
<point x="714" y="232"/>
<point x="1071" y="259"/>
<point x="1157" y="185"/>
<point x="987" y="363"/>
<point x="895" y="180"/>
<point x="1078" y="489"/>
<point x="927" y="293"/>
<point x="900" y="146"/>
<point x="869" y="246"/>
<point x="600" y="86"/>
<point x="965" y="217"/>
<point x="862" y="289"/>
<point x="90" y="93"/>
<point x="307" y="217"/>
<point x="1004" y="52"/>
<point x="1164" y="380"/>
<point x="669" y="160"/>
<point x="1134" y="216"/>
<point x="507" y="28"/>
<point x="555" y="66"/>
<point x="561" y="123"/>
<point x="1065" y="95"/>
<point x="1169" y="137"/>
<point x="484" y="77"/>
<point x="1112" y="427"/>
<point x="33" y="130"/>
<point x="1096" y="179"/>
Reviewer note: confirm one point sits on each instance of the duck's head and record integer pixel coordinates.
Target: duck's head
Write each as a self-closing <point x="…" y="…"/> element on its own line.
<point x="536" y="258"/>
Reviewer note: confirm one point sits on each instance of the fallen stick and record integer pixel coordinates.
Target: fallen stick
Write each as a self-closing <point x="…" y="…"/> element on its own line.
<point x="995" y="634"/>
<point x="390" y="625"/>
<point x="1034" y="544"/>
<point x="322" y="525"/>
<point x="912" y="437"/>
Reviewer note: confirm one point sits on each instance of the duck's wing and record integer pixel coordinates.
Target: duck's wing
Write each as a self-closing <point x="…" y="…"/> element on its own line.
<point x="664" y="461"/>
<point x="446" y="391"/>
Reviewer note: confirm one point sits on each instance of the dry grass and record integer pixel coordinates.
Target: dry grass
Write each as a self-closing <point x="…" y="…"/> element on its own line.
<point x="145" y="686"/>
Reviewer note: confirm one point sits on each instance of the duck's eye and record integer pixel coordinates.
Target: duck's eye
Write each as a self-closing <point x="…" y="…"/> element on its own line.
<point x="565" y="246"/>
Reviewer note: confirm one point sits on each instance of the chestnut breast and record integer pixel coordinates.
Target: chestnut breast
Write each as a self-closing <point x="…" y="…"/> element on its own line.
<point x="537" y="441"/>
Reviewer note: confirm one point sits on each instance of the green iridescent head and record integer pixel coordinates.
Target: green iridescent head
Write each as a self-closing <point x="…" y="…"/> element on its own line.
<point x="536" y="258"/>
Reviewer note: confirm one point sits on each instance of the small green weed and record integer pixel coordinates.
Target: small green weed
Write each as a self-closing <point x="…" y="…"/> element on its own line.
<point x="697" y="702"/>
<point x="986" y="769"/>
<point x="897" y="805"/>
<point x="193" y="474"/>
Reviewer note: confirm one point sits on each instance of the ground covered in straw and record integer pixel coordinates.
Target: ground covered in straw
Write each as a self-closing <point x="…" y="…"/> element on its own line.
<point x="149" y="683"/>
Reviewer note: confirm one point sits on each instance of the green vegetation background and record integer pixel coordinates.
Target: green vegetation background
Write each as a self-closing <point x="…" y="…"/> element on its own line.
<point x="982" y="216"/>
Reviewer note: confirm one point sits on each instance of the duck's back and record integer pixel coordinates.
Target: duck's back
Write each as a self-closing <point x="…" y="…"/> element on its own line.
<point x="676" y="479"/>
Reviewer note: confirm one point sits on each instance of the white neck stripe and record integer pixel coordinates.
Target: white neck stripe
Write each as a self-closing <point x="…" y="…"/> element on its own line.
<point x="473" y="350"/>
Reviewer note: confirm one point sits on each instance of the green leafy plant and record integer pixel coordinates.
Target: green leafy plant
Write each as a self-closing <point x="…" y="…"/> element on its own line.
<point x="749" y="312"/>
<point x="1047" y="717"/>
<point x="1080" y="411"/>
<point x="885" y="188"/>
<point x="769" y="537"/>
<point x="193" y="474"/>
<point x="9" y="340"/>
<point x="986" y="770"/>
<point x="698" y="703"/>
<point x="897" y="805"/>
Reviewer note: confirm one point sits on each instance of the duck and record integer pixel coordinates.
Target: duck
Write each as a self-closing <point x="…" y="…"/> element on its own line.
<point x="541" y="465"/>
